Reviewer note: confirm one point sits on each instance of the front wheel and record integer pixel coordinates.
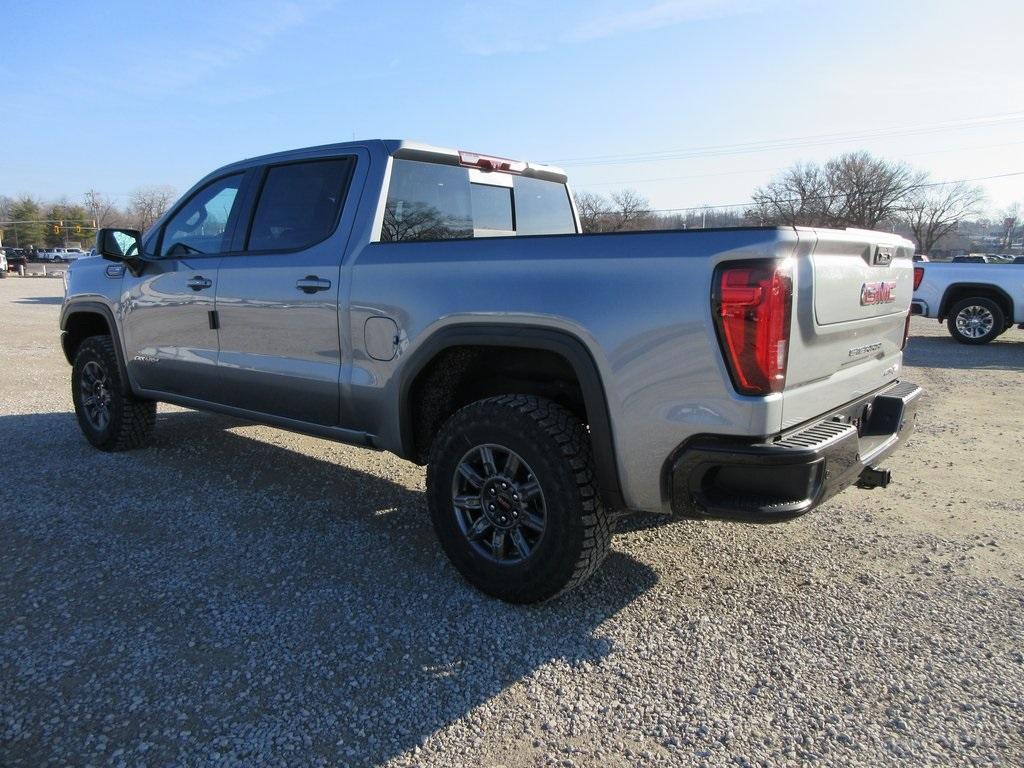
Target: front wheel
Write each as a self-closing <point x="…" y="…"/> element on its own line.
<point x="110" y="417"/>
<point x="976" y="321"/>
<point x="513" y="498"/>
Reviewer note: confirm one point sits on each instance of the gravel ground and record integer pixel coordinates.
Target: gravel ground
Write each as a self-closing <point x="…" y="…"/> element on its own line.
<point x="237" y="595"/>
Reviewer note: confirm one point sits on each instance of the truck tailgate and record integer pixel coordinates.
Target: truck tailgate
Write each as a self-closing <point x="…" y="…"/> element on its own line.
<point x="853" y="292"/>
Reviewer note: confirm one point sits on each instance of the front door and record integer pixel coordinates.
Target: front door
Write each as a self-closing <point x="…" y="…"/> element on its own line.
<point x="277" y="300"/>
<point x="169" y="328"/>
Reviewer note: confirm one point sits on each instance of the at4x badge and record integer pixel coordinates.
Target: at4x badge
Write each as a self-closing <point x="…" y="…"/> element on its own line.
<point x="878" y="293"/>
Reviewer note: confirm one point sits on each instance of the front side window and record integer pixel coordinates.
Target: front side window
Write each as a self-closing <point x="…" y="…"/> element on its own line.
<point x="299" y="204"/>
<point x="200" y="226"/>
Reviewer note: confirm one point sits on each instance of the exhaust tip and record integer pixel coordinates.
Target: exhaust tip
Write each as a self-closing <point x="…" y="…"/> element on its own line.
<point x="873" y="477"/>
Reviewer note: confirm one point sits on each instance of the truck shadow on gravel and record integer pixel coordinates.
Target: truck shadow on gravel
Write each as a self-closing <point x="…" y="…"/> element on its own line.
<point x="215" y="598"/>
<point x="52" y="300"/>
<point x="1004" y="354"/>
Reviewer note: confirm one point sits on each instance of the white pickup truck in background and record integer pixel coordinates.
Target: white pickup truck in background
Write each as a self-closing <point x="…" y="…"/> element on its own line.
<point x="978" y="302"/>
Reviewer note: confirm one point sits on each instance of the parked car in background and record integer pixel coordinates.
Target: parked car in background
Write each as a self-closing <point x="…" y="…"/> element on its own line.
<point x="974" y="258"/>
<point x="977" y="301"/>
<point x="16" y="257"/>
<point x="921" y="257"/>
<point x="3" y="264"/>
<point x="549" y="379"/>
<point x="74" y="254"/>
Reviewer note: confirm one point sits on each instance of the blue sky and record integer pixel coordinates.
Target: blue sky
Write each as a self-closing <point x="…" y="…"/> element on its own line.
<point x="114" y="95"/>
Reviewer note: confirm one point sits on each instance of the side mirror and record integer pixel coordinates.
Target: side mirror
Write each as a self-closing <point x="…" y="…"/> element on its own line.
<point x="124" y="245"/>
<point x="118" y="244"/>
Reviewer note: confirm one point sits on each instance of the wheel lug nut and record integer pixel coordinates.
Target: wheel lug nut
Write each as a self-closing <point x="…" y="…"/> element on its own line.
<point x="491" y="507"/>
<point x="504" y="485"/>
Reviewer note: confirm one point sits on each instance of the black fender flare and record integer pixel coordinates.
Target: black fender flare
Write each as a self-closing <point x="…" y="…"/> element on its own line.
<point x="562" y="343"/>
<point x="93" y="308"/>
<point x="946" y="302"/>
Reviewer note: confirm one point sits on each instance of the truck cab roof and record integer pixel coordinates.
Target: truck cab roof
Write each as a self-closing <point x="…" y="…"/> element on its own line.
<point x="400" y="148"/>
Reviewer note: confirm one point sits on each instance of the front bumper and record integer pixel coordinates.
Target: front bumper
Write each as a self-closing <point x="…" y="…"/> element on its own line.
<point x="790" y="474"/>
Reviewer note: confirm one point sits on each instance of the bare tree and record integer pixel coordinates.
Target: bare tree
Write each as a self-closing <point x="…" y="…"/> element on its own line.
<point x="147" y="204"/>
<point x="102" y="209"/>
<point x="852" y="190"/>
<point x="630" y="211"/>
<point x="1010" y="224"/>
<point x="798" y="196"/>
<point x="593" y="211"/>
<point x="624" y="210"/>
<point x="932" y="213"/>
<point x="869" y="190"/>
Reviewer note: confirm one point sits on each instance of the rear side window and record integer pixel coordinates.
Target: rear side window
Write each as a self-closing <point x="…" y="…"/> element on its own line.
<point x="431" y="201"/>
<point x="299" y="205"/>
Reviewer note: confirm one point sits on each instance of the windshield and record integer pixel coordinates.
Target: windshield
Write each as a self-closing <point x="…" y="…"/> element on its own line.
<point x="430" y="201"/>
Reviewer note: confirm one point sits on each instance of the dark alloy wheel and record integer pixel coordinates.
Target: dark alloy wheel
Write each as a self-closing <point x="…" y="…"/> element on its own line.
<point x="94" y="392"/>
<point x="976" y="321"/>
<point x="514" y="500"/>
<point x="498" y="503"/>
<point x="110" y="417"/>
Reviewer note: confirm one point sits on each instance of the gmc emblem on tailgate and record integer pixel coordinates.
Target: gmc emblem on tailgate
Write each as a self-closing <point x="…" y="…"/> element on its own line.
<point x="878" y="293"/>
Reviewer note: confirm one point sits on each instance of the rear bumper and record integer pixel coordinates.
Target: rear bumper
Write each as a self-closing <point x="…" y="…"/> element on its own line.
<point x="785" y="476"/>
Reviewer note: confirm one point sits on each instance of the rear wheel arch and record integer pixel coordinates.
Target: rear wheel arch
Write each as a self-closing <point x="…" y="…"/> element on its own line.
<point x="957" y="292"/>
<point x="443" y="353"/>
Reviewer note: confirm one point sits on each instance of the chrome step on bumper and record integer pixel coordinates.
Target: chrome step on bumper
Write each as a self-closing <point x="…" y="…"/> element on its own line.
<point x="787" y="475"/>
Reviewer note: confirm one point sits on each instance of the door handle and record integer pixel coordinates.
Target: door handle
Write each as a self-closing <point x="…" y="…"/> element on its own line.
<point x="199" y="282"/>
<point x="312" y="284"/>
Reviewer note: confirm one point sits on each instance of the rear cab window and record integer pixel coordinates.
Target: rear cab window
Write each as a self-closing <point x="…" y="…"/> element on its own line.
<point x="434" y="201"/>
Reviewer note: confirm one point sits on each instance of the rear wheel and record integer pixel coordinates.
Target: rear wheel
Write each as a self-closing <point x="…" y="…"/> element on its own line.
<point x="110" y="417"/>
<point x="513" y="498"/>
<point x="976" y="321"/>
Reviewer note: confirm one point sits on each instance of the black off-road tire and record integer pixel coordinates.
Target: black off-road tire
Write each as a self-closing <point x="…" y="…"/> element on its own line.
<point x="130" y="420"/>
<point x="556" y="446"/>
<point x="979" y="304"/>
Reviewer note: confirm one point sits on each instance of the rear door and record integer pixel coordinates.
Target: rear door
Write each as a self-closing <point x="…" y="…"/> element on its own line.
<point x="170" y="339"/>
<point x="853" y="292"/>
<point x="277" y="296"/>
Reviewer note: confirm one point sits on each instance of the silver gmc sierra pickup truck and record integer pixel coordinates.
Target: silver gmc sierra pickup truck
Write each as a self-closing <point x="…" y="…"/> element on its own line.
<point x="444" y="306"/>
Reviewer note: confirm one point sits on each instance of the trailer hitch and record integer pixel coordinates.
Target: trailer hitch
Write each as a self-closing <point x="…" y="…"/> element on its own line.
<point x="873" y="477"/>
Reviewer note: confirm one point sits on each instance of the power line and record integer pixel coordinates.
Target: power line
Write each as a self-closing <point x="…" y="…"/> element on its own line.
<point x="719" y="150"/>
<point x="776" y="169"/>
<point x="836" y="196"/>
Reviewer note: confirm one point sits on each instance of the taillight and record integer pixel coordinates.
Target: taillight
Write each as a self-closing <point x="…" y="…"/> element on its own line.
<point x="752" y="307"/>
<point x="918" y="277"/>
